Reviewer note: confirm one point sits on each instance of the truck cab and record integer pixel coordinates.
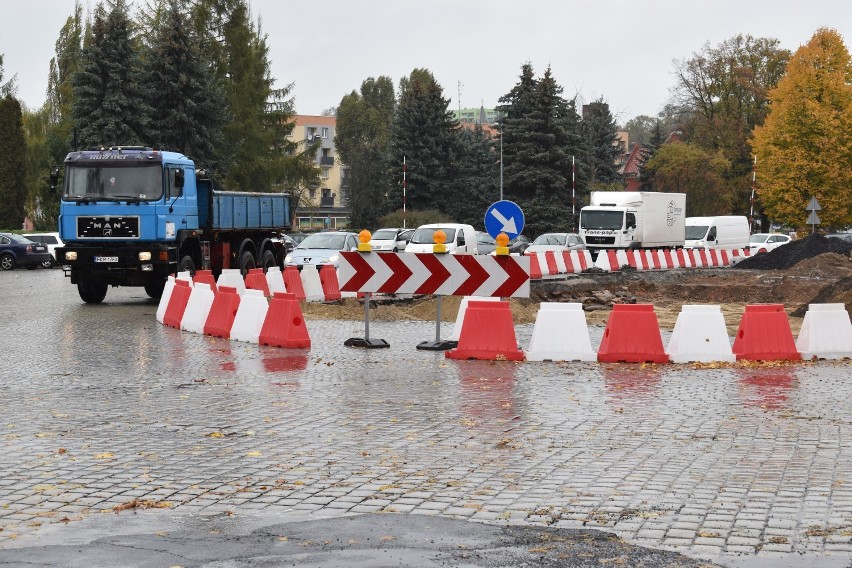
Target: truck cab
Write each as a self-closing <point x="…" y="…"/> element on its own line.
<point x="121" y="213"/>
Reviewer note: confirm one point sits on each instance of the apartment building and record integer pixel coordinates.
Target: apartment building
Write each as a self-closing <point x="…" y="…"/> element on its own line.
<point x="326" y="207"/>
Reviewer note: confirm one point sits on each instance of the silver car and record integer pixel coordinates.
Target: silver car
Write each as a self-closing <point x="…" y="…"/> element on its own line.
<point x="322" y="248"/>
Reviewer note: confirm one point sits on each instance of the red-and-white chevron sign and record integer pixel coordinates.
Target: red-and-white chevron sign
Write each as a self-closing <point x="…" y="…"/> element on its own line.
<point x="440" y="274"/>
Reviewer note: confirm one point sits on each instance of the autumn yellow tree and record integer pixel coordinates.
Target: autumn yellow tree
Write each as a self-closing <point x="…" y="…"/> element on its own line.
<point x="804" y="148"/>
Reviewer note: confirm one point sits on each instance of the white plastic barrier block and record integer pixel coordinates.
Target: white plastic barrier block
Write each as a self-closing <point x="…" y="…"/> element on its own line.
<point x="826" y="332"/>
<point x="560" y="334"/>
<point x="700" y="335"/>
<point x="164" y="299"/>
<point x="275" y="280"/>
<point x="312" y="284"/>
<point x="232" y="277"/>
<point x="250" y="316"/>
<point x="197" y="308"/>
<point x="186" y="275"/>
<point x="463" y="309"/>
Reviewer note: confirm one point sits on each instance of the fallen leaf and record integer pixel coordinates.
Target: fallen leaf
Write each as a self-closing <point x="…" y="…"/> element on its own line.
<point x="254" y="454"/>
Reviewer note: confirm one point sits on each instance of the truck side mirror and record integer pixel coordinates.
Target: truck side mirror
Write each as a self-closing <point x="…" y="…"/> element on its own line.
<point x="179" y="178"/>
<point x="54" y="179"/>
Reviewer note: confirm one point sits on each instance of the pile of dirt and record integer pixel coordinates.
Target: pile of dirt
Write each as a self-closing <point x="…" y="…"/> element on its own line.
<point x="789" y="255"/>
<point x="839" y="292"/>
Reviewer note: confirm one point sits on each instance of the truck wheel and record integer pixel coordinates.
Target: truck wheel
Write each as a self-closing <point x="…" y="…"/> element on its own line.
<point x="154" y="288"/>
<point x="268" y="260"/>
<point x="247" y="262"/>
<point x="92" y="291"/>
<point x="186" y="264"/>
<point x="7" y="262"/>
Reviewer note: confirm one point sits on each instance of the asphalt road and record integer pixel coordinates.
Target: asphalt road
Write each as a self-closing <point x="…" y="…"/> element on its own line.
<point x="126" y="443"/>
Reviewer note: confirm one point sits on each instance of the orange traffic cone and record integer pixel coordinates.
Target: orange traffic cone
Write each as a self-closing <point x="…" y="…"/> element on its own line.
<point x="487" y="333"/>
<point x="284" y="325"/>
<point x="632" y="335"/>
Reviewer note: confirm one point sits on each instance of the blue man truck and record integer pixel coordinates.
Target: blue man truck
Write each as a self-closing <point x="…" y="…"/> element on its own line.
<point x="130" y="216"/>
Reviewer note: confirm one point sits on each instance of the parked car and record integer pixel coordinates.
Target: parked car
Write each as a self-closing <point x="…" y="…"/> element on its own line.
<point x="393" y="239"/>
<point x="16" y="250"/>
<point x="460" y="238"/>
<point x="765" y="242"/>
<point x="488" y="245"/>
<point x="322" y="248"/>
<point x="52" y="240"/>
<point x="556" y="242"/>
<point x="297" y="237"/>
<point x="842" y="236"/>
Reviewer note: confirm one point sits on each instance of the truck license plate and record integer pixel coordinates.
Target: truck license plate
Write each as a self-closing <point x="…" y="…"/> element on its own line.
<point x="106" y="259"/>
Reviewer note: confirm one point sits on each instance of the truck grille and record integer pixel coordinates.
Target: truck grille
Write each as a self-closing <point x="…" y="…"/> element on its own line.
<point x="590" y="240"/>
<point x="108" y="227"/>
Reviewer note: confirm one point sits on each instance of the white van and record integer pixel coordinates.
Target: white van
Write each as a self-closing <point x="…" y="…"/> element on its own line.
<point x="461" y="239"/>
<point x="722" y="232"/>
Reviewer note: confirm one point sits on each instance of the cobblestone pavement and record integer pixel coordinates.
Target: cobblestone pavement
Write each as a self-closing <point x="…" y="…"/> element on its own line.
<point x="104" y="409"/>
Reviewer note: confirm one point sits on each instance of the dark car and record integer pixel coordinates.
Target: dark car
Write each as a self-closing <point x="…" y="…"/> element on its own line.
<point x="487" y="245"/>
<point x="16" y="250"/>
<point x="842" y="236"/>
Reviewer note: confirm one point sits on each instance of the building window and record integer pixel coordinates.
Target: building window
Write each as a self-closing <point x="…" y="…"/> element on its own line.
<point x="325" y="132"/>
<point x="325" y="173"/>
<point x="312" y="193"/>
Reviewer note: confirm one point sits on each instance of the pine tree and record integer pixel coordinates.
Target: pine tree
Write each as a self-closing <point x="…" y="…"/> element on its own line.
<point x="601" y="134"/>
<point x="477" y="180"/>
<point x="189" y="106"/>
<point x="542" y="133"/>
<point x="12" y="167"/>
<point x="804" y="149"/>
<point x="110" y="105"/>
<point x="361" y="139"/>
<point x="424" y="133"/>
<point x="648" y="151"/>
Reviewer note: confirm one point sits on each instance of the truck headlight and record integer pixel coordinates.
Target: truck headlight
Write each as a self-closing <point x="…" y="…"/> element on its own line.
<point x="333" y="258"/>
<point x="71" y="255"/>
<point x="144" y="256"/>
<point x="699" y="243"/>
<point x="288" y="259"/>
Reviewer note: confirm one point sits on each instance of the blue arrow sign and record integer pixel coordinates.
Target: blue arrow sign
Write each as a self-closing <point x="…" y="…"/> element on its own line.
<point x="504" y="217"/>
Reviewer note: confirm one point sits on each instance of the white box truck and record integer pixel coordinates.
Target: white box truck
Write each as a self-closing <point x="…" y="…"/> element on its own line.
<point x="633" y="219"/>
<point x="720" y="232"/>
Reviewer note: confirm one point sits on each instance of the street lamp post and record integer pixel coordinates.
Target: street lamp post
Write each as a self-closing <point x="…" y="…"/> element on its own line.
<point x="501" y="165"/>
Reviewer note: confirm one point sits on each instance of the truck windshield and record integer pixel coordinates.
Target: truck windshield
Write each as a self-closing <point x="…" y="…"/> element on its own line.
<point x="610" y="220"/>
<point x="695" y="232"/>
<point x="112" y="183"/>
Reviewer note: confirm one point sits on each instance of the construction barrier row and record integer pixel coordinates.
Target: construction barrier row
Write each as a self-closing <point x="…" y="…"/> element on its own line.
<point x="218" y="309"/>
<point x="632" y="334"/>
<point x="554" y="263"/>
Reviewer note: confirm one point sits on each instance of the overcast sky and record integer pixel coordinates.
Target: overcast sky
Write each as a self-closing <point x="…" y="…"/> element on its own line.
<point x="619" y="50"/>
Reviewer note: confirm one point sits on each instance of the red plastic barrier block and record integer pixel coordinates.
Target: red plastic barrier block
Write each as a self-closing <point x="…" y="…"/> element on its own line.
<point x="632" y="335"/>
<point x="535" y="268"/>
<point x="177" y="304"/>
<point x="293" y="282"/>
<point x="205" y="277"/>
<point x="284" y="325"/>
<point x="256" y="280"/>
<point x="220" y="320"/>
<point x="550" y="258"/>
<point x="765" y="335"/>
<point x="330" y="283"/>
<point x="487" y="333"/>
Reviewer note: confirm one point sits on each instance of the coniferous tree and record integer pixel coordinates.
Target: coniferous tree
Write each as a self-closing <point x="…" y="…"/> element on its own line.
<point x="60" y="89"/>
<point x="424" y="133"/>
<point x="110" y="103"/>
<point x="648" y="151"/>
<point x="477" y="180"/>
<point x="191" y="110"/>
<point x="12" y="167"/>
<point x="601" y="134"/>
<point x="361" y="141"/>
<point x="7" y="88"/>
<point x="542" y="132"/>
